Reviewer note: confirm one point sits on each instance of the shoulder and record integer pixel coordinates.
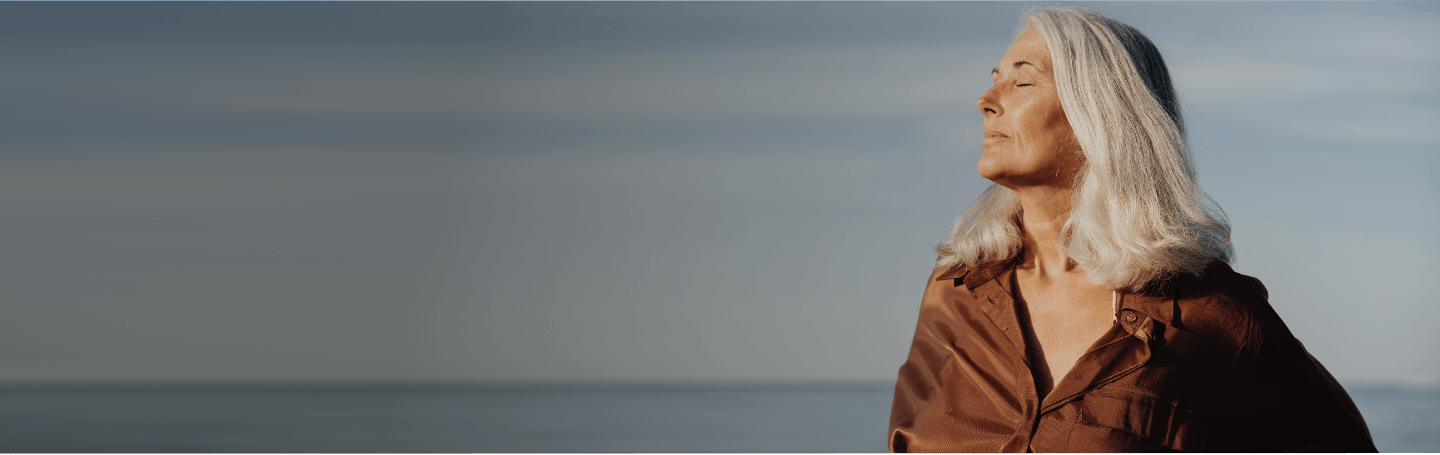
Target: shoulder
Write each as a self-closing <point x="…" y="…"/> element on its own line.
<point x="941" y="286"/>
<point x="1221" y="288"/>
<point x="947" y="271"/>
<point x="1228" y="307"/>
<point x="1219" y="292"/>
<point x="1280" y="397"/>
<point x="948" y="295"/>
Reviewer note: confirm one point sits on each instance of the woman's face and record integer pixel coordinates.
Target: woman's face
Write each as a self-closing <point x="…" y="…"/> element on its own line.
<point x="1028" y="141"/>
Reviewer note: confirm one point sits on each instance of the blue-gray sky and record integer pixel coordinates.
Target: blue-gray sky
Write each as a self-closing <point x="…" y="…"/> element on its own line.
<point x="638" y="191"/>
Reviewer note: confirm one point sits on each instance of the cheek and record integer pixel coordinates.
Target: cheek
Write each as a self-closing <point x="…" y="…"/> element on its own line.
<point x="1059" y="126"/>
<point x="1042" y="145"/>
<point x="1049" y="132"/>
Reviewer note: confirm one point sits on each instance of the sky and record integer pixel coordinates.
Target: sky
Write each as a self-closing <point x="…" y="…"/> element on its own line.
<point x="647" y="191"/>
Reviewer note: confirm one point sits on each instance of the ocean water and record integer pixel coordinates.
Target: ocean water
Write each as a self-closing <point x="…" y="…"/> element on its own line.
<point x="410" y="417"/>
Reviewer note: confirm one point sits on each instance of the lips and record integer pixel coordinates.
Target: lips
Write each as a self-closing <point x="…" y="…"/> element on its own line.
<point x="992" y="134"/>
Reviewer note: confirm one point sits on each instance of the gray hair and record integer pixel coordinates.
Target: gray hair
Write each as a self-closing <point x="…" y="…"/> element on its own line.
<point x="1137" y="215"/>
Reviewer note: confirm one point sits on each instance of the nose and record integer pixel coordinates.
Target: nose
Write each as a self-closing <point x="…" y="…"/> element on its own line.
<point x="987" y="103"/>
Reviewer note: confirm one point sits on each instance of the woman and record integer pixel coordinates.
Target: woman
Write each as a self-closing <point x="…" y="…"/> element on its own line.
<point x="1083" y="303"/>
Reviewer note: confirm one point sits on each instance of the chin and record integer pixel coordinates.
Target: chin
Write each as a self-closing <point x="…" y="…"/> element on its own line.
<point x="989" y="169"/>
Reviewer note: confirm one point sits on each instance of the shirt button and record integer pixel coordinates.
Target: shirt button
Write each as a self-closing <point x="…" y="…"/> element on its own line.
<point x="1130" y="317"/>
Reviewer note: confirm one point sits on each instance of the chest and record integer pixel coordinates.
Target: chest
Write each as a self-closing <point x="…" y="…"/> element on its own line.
<point x="1061" y="324"/>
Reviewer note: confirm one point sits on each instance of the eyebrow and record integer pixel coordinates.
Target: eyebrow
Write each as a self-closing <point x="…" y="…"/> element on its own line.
<point x="1017" y="64"/>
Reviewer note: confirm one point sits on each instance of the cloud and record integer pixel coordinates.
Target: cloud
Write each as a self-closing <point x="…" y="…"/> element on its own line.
<point x="662" y="203"/>
<point x="332" y="79"/>
<point x="1349" y="77"/>
<point x="403" y="97"/>
<point x="828" y="82"/>
<point x="249" y="78"/>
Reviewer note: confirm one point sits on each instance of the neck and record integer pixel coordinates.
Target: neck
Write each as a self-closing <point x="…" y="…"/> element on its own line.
<point x="1044" y="212"/>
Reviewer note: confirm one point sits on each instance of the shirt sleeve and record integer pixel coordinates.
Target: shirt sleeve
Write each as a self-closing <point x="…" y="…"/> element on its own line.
<point x="1283" y="400"/>
<point x="918" y="379"/>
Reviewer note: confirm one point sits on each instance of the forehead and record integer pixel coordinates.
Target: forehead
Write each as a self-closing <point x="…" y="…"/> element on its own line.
<point x="1029" y="47"/>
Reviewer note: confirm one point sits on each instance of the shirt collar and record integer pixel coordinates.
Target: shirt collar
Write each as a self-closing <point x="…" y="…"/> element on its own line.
<point x="1157" y="302"/>
<point x="974" y="276"/>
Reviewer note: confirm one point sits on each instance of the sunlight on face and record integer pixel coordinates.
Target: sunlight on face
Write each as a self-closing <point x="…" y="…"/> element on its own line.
<point x="1028" y="141"/>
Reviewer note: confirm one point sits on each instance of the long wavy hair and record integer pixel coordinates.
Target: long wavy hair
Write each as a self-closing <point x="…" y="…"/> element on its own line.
<point x="1137" y="215"/>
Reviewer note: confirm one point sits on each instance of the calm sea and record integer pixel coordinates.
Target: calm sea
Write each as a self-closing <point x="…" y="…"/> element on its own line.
<point x="408" y="417"/>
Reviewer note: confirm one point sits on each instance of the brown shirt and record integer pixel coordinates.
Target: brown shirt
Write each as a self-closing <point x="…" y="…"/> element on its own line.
<point x="1200" y="364"/>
